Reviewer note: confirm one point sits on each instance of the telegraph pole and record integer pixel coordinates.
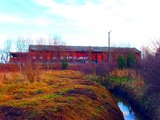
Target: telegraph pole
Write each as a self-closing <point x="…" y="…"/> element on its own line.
<point x="109" y="46"/>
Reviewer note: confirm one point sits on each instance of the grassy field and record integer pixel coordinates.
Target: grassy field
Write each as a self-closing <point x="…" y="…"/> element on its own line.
<point x="61" y="95"/>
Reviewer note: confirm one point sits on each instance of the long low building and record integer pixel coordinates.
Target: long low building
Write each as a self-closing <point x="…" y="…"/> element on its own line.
<point x="73" y="54"/>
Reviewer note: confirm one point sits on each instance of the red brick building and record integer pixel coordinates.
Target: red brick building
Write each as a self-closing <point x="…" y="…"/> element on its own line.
<point x="74" y="54"/>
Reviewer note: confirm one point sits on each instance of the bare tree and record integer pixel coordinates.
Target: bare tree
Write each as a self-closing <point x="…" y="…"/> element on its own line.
<point x="57" y="43"/>
<point x="50" y="41"/>
<point x="53" y="51"/>
<point x="22" y="44"/>
<point x="41" y="41"/>
<point x="151" y="63"/>
<point x="6" y="50"/>
<point x="155" y="44"/>
<point x="151" y="49"/>
<point x="56" y="40"/>
<point x="145" y="51"/>
<point x="2" y="56"/>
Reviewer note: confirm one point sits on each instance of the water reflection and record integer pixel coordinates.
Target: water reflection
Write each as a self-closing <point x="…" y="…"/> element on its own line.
<point x="127" y="112"/>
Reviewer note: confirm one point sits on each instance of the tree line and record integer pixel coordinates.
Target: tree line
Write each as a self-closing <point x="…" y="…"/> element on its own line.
<point x="22" y="45"/>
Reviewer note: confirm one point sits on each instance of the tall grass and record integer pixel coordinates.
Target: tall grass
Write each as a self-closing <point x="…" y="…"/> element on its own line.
<point x="32" y="72"/>
<point x="63" y="94"/>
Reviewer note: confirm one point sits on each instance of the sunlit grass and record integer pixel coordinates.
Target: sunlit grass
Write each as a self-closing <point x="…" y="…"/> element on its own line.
<point x="128" y="80"/>
<point x="63" y="93"/>
<point x="130" y="85"/>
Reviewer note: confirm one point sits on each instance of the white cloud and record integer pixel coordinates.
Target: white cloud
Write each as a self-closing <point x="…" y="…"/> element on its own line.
<point x="89" y="17"/>
<point x="13" y="19"/>
<point x="131" y="22"/>
<point x="41" y="21"/>
<point x="46" y="3"/>
<point x="7" y="18"/>
<point x="72" y="11"/>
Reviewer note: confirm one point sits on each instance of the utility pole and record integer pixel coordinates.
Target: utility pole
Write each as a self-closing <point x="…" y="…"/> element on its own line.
<point x="109" y="46"/>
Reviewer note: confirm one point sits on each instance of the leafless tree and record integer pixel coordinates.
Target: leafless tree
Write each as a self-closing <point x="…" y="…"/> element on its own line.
<point x="6" y="51"/>
<point x="57" y="43"/>
<point x="151" y="64"/>
<point x="41" y="41"/>
<point x="22" y="44"/>
<point x="55" y="40"/>
<point x="2" y="56"/>
<point x="53" y="50"/>
<point x="151" y="49"/>
<point x="155" y="44"/>
<point x="145" y="51"/>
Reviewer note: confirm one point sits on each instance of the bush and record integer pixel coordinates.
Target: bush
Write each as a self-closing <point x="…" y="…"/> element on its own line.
<point x="104" y="69"/>
<point x="130" y="60"/>
<point x="88" y="68"/>
<point x="150" y="70"/>
<point x="32" y="72"/>
<point x="121" y="62"/>
<point x="64" y="64"/>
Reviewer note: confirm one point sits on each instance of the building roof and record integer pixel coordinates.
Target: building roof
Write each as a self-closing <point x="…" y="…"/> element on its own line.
<point x="15" y="54"/>
<point x="81" y="48"/>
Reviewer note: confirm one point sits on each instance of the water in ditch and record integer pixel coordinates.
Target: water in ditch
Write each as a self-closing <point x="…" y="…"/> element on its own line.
<point x="128" y="112"/>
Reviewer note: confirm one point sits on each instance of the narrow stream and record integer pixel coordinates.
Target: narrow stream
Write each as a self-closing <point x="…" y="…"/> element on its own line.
<point x="128" y="112"/>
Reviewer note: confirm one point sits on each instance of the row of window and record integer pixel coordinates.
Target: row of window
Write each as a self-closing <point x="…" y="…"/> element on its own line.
<point x="54" y="58"/>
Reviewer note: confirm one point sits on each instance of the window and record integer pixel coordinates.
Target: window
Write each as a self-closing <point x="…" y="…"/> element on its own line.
<point x="54" y="58"/>
<point x="41" y="57"/>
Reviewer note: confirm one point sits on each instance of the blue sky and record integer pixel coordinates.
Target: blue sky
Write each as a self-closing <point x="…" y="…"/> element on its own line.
<point x="82" y="22"/>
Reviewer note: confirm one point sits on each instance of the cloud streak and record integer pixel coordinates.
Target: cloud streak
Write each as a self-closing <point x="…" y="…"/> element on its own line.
<point x="88" y="21"/>
<point x="14" y="19"/>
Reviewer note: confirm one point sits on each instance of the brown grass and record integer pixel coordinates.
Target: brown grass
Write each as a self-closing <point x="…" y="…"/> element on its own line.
<point x="58" y="95"/>
<point x="133" y="81"/>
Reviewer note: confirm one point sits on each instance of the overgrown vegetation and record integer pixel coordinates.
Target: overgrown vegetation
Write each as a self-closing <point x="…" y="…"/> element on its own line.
<point x="140" y="86"/>
<point x="32" y="72"/>
<point x="58" y="95"/>
<point x="150" y="70"/>
<point x="64" y="63"/>
<point x="129" y="62"/>
<point x="121" y="62"/>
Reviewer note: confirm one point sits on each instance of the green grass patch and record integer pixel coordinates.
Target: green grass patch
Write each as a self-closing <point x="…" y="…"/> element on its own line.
<point x="65" y="90"/>
<point x="55" y="110"/>
<point x="28" y="103"/>
<point x="50" y="96"/>
<point x="38" y="91"/>
<point x="70" y="98"/>
<point x="99" y="108"/>
<point x="120" y="79"/>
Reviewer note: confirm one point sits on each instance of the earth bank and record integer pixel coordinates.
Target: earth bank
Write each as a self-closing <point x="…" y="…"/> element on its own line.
<point x="58" y="95"/>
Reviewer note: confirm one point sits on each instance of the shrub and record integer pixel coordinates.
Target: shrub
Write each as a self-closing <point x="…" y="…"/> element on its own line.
<point x="104" y="69"/>
<point x="121" y="62"/>
<point x="130" y="60"/>
<point x="32" y="72"/>
<point x="88" y="68"/>
<point x="64" y="63"/>
<point x="149" y="70"/>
